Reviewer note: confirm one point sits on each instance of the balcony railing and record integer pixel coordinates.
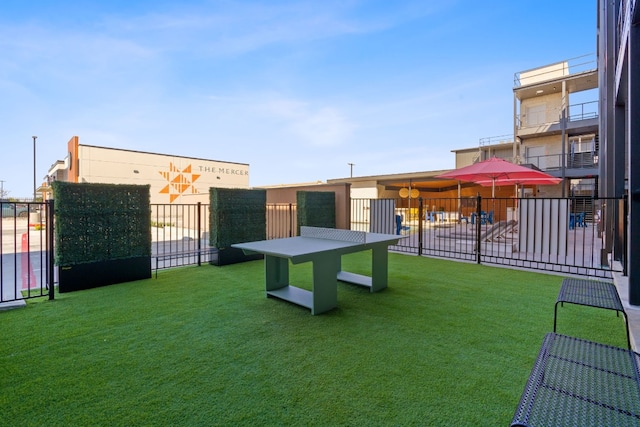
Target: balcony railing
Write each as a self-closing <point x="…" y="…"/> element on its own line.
<point x="500" y="139"/>
<point x="584" y="160"/>
<point x="576" y="112"/>
<point x="588" y="62"/>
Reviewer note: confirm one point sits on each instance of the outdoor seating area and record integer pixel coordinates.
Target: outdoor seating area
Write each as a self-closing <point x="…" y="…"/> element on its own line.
<point x="580" y="382"/>
<point x="577" y="220"/>
<point x="485" y="218"/>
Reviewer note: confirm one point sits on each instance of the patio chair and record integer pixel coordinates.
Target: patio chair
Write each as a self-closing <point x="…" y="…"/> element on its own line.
<point x="495" y="231"/>
<point x="486" y="218"/>
<point x="500" y="230"/>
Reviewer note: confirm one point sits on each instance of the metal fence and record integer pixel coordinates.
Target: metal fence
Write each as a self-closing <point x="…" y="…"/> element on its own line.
<point x="26" y="252"/>
<point x="564" y="235"/>
<point x="179" y="235"/>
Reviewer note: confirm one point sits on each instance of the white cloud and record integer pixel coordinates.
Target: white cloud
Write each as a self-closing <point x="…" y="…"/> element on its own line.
<point x="320" y="126"/>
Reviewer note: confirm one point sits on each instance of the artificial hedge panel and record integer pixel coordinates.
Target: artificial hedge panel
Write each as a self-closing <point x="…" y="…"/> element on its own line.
<point x="316" y="209"/>
<point x="236" y="216"/>
<point x="101" y="222"/>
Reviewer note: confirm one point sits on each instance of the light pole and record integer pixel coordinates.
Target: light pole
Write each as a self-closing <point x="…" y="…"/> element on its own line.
<point x="351" y="165"/>
<point x="34" y="167"/>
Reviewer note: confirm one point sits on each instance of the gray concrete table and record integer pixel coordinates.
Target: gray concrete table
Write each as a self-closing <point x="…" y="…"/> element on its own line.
<point x="323" y="247"/>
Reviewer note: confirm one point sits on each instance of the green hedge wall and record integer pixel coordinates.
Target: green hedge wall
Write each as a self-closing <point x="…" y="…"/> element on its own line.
<point x="236" y="216"/>
<point x="316" y="209"/>
<point x="100" y="222"/>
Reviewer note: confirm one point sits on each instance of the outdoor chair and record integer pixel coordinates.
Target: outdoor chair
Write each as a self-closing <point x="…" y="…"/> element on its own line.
<point x="497" y="231"/>
<point x="486" y="218"/>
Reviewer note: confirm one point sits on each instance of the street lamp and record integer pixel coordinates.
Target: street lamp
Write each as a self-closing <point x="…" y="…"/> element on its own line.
<point x="34" y="167"/>
<point x="351" y="165"/>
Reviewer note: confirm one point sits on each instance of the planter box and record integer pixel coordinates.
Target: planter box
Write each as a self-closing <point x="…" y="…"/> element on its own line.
<point x="228" y="256"/>
<point x="95" y="274"/>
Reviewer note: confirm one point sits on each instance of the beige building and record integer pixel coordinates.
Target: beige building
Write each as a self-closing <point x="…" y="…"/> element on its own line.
<point x="556" y="122"/>
<point x="173" y="179"/>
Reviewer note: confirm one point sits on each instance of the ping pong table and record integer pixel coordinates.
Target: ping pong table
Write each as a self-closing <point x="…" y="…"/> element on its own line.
<point x="323" y="247"/>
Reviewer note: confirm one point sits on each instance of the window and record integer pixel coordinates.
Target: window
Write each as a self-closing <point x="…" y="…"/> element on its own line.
<point x="536" y="115"/>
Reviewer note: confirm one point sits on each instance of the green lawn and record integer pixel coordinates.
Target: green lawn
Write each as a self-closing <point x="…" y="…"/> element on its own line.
<point x="447" y="343"/>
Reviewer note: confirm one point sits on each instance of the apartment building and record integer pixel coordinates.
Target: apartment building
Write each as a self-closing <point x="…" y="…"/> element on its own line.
<point x="619" y="73"/>
<point x="555" y="123"/>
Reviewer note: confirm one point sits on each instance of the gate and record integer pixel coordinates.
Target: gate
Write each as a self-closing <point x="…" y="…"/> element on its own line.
<point x="26" y="252"/>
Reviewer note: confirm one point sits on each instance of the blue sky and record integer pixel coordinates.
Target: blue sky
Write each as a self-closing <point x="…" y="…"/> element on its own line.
<point x="296" y="89"/>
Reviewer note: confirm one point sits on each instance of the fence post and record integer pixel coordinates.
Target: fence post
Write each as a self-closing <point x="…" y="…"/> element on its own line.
<point x="50" y="252"/>
<point x="420" y="211"/>
<point x="290" y="220"/>
<point x="199" y="216"/>
<point x="478" y="226"/>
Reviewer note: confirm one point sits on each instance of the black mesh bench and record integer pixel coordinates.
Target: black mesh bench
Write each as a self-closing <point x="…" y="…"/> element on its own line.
<point x="575" y="382"/>
<point x="591" y="293"/>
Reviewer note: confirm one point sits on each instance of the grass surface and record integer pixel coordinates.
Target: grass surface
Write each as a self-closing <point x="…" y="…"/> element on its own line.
<point x="447" y="343"/>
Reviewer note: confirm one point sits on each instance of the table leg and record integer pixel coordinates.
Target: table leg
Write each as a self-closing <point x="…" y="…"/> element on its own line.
<point x="379" y="268"/>
<point x="276" y="272"/>
<point x="325" y="282"/>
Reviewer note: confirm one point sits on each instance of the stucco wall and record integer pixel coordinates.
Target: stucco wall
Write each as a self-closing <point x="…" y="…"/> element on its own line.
<point x="287" y="194"/>
<point x="173" y="179"/>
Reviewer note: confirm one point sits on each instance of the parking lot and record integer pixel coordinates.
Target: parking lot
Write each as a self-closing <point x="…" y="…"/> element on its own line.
<point x="12" y="234"/>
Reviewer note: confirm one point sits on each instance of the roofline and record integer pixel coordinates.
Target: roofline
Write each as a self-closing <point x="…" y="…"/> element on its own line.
<point x="161" y="154"/>
<point x="502" y="144"/>
<point x="396" y="176"/>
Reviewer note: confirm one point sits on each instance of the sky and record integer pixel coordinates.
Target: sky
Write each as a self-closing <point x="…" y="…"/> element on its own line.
<point x="296" y="89"/>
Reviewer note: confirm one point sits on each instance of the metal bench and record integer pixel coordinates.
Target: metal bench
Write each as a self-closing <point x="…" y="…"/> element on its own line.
<point x="590" y="293"/>
<point x="575" y="382"/>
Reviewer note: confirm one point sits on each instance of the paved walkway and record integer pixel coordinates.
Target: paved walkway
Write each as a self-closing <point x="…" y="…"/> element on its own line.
<point x="633" y="311"/>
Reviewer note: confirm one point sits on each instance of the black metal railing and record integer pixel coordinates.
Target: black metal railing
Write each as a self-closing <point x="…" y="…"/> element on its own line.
<point x="583" y="160"/>
<point x="281" y="220"/>
<point x="566" y="235"/>
<point x="179" y="235"/>
<point x="26" y="251"/>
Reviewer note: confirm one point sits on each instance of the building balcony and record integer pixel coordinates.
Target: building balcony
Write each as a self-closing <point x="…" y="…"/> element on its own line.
<point x="581" y="118"/>
<point x="576" y="165"/>
<point x="578" y="74"/>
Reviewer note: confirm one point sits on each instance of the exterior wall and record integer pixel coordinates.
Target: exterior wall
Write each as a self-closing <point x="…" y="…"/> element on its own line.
<point x="470" y="156"/>
<point x="552" y="106"/>
<point x="465" y="158"/>
<point x="365" y="190"/>
<point x="342" y="193"/>
<point x="388" y="194"/>
<point x="72" y="160"/>
<point x="548" y="72"/>
<point x="549" y="153"/>
<point x="173" y="179"/>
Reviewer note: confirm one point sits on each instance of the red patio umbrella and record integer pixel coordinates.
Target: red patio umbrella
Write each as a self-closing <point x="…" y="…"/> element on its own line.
<point x="497" y="171"/>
